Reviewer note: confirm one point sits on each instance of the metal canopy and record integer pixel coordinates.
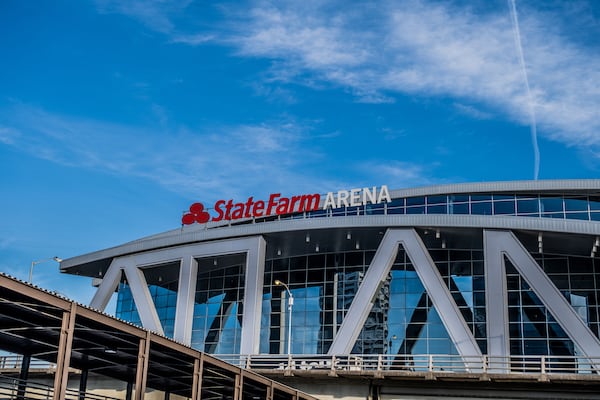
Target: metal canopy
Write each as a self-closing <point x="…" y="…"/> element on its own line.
<point x="32" y="323"/>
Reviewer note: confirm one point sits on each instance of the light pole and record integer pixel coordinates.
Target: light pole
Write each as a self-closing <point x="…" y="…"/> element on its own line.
<point x="290" y="304"/>
<point x="33" y="263"/>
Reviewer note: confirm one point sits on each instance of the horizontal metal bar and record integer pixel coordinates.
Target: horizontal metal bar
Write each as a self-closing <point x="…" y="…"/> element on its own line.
<point x="514" y="365"/>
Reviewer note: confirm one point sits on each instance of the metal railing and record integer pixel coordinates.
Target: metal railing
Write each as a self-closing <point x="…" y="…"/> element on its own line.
<point x="13" y="388"/>
<point x="583" y="367"/>
<point x="430" y="363"/>
<point x="12" y="361"/>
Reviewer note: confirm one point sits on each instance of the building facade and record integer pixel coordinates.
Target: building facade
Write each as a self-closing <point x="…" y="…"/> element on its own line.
<point x="499" y="269"/>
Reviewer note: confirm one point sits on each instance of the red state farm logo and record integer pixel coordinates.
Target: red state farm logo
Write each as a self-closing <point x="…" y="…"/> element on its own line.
<point x="196" y="214"/>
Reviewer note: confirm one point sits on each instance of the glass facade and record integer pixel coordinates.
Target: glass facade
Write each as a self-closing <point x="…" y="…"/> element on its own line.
<point x="403" y="320"/>
<point x="521" y="204"/>
<point x="217" y="324"/>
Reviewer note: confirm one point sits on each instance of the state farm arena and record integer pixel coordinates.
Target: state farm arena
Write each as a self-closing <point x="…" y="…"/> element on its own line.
<point x="493" y="279"/>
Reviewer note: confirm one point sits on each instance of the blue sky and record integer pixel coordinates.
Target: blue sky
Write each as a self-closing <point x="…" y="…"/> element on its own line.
<point x="115" y="116"/>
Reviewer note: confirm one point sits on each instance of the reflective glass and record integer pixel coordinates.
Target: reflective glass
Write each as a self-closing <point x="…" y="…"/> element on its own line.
<point x="527" y="206"/>
<point x="458" y="208"/>
<point x="577" y="215"/>
<point x="415" y="201"/>
<point x="576" y="204"/>
<point x="458" y="198"/>
<point x="437" y="209"/>
<point x="594" y="203"/>
<point x="551" y="204"/>
<point x="415" y="210"/>
<point x="437" y="199"/>
<point x="554" y="215"/>
<point x="375" y="209"/>
<point x="483" y="208"/>
<point x="504" y="207"/>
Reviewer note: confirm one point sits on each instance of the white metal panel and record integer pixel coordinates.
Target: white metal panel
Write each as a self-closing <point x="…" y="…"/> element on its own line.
<point x="184" y="315"/>
<point x="496" y="300"/>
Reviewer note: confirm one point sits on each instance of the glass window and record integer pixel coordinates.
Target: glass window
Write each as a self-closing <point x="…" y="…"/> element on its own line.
<point x="504" y="207"/>
<point x="458" y="208"/>
<point x="484" y="208"/>
<point x="317" y="213"/>
<point x="504" y="197"/>
<point x="527" y="206"/>
<point x="375" y="209"/>
<point x="595" y="203"/>
<point x="459" y="198"/>
<point x="577" y="215"/>
<point x="354" y="210"/>
<point x="436" y="199"/>
<point x="437" y="209"/>
<point x="551" y="204"/>
<point x="396" y="206"/>
<point x="415" y="201"/>
<point x="481" y="197"/>
<point x="576" y="204"/>
<point x="581" y="265"/>
<point x="553" y="215"/>
<point x="415" y="210"/>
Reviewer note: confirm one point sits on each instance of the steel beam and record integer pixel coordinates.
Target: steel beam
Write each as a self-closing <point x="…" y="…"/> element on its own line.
<point x="63" y="359"/>
<point x="429" y="275"/>
<point x="506" y="244"/>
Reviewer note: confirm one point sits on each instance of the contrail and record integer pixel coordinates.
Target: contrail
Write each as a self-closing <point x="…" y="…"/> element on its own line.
<point x="533" y="124"/>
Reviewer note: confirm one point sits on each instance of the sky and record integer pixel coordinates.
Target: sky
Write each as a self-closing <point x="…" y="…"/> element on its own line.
<point x="115" y="116"/>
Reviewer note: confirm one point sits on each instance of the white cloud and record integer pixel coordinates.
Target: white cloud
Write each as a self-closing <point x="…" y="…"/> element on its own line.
<point x="8" y="135"/>
<point x="155" y="14"/>
<point x="416" y="47"/>
<point x="432" y="49"/>
<point x="472" y="111"/>
<point x="192" y="39"/>
<point x="224" y="159"/>
<point x="402" y="174"/>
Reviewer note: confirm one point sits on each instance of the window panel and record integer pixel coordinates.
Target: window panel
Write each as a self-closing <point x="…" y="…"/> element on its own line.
<point x="415" y="201"/>
<point x="577" y="215"/>
<point x="576" y="204"/>
<point x="527" y="206"/>
<point x="437" y="209"/>
<point x="483" y="208"/>
<point x="436" y="199"/>
<point x="551" y="204"/>
<point x="504" y="207"/>
<point x="458" y="208"/>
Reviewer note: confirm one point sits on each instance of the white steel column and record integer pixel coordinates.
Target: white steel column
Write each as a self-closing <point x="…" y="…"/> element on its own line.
<point x="184" y="316"/>
<point x="253" y="290"/>
<point x="143" y="299"/>
<point x="496" y="303"/>
<point x="108" y="286"/>
<point x="139" y="291"/>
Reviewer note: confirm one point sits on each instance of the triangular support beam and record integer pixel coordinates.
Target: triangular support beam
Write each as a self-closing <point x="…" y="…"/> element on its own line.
<point x="497" y="245"/>
<point x="433" y="282"/>
<point x="132" y="266"/>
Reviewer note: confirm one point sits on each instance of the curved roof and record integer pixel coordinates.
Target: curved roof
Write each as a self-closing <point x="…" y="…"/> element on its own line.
<point x="215" y="231"/>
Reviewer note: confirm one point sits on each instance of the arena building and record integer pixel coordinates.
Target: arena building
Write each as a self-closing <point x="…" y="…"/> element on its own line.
<point x="485" y="274"/>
